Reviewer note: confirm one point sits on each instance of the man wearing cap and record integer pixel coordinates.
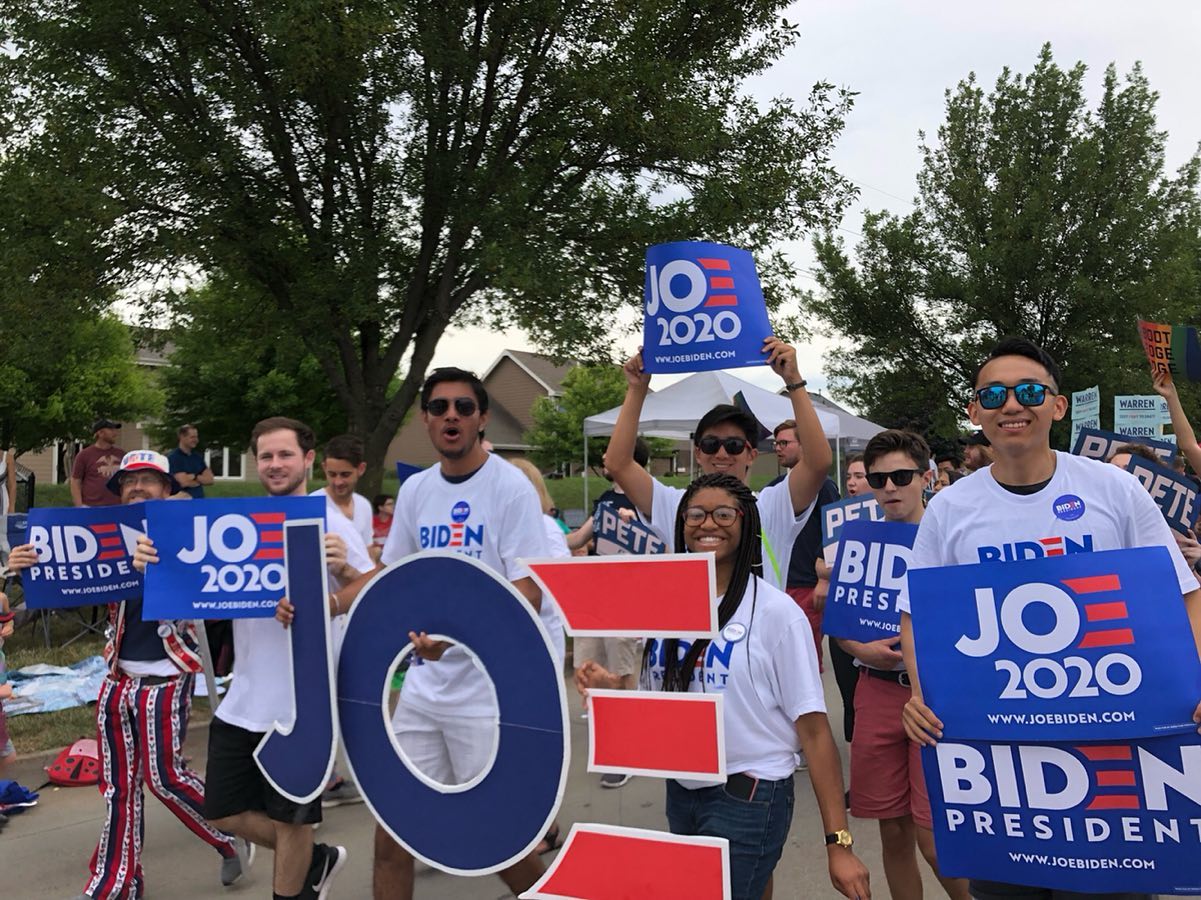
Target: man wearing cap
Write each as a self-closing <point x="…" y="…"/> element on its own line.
<point x="977" y="453"/>
<point x="95" y="465"/>
<point x="140" y="715"/>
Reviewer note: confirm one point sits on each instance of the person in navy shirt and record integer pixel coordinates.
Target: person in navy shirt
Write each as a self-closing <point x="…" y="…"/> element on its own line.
<point x="188" y="467"/>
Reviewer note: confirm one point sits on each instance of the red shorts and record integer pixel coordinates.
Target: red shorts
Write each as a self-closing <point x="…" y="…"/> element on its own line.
<point x="886" y="767"/>
<point x="803" y="597"/>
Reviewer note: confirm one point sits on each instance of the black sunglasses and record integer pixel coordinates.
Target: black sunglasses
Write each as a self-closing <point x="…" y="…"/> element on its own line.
<point x="900" y="477"/>
<point x="1028" y="393"/>
<point x="709" y="444"/>
<point x="464" y="406"/>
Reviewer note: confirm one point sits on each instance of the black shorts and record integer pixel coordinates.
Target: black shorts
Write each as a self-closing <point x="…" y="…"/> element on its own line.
<point x="995" y="890"/>
<point x="233" y="783"/>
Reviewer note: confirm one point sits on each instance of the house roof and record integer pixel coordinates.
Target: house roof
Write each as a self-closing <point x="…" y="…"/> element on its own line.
<point x="543" y="369"/>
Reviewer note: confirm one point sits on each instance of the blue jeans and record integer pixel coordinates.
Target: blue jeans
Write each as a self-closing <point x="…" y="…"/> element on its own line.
<point x="756" y="828"/>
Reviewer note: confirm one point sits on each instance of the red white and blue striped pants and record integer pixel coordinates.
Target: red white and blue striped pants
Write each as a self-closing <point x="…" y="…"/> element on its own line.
<point x="140" y="725"/>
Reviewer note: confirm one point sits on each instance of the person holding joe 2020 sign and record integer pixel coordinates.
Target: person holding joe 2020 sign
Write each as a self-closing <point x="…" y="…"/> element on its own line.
<point x="1030" y="493"/>
<point x="765" y="666"/>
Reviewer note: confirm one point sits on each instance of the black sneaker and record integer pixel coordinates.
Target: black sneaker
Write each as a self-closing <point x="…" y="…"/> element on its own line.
<point x="614" y="779"/>
<point x="327" y="862"/>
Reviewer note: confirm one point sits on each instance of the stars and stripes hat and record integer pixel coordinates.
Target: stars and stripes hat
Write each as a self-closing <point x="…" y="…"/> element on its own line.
<point x="135" y="460"/>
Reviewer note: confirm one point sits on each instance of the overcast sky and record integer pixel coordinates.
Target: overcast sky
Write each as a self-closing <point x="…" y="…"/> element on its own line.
<point x="901" y="56"/>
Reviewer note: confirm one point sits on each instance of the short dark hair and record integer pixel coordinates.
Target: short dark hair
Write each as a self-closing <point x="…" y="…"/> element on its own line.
<point x="854" y="458"/>
<point x="784" y="426"/>
<point x="379" y="501"/>
<point x="304" y="435"/>
<point x="724" y="412"/>
<point x="948" y="456"/>
<point x="344" y="446"/>
<point x="642" y="452"/>
<point x="1140" y="450"/>
<point x="895" y="440"/>
<point x="184" y="429"/>
<point x="1016" y="346"/>
<point x="454" y="374"/>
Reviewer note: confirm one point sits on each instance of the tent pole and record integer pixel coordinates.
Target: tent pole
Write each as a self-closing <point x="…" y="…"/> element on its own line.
<point x="585" y="473"/>
<point x="838" y="466"/>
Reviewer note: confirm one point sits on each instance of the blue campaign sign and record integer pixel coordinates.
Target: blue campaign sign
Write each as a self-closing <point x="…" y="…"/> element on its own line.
<point x="221" y="559"/>
<point x="835" y="515"/>
<point x="869" y="577"/>
<point x="85" y="556"/>
<point x="405" y="470"/>
<point x="1176" y="494"/>
<point x="1078" y="647"/>
<point x="1114" y="817"/>
<point x="455" y="828"/>
<point x="614" y="535"/>
<point x="298" y="759"/>
<point x="704" y="309"/>
<point x="1094" y="443"/>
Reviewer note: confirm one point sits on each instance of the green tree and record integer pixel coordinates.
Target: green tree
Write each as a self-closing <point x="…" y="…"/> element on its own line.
<point x="1036" y="216"/>
<point x="379" y="169"/>
<point x="558" y="433"/>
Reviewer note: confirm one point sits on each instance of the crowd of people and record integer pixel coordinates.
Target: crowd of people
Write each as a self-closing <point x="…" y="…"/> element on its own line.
<point x="766" y="658"/>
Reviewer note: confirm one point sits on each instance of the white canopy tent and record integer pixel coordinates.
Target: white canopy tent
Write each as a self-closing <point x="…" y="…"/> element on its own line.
<point x="674" y="411"/>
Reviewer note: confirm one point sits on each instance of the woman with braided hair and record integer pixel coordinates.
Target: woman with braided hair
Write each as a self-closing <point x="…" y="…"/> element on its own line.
<point x="763" y="662"/>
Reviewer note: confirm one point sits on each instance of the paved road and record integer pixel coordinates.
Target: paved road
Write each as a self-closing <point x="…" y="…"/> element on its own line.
<point x="44" y="852"/>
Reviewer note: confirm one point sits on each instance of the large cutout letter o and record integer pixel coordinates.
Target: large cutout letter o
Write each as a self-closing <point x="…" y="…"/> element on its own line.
<point x="499" y="820"/>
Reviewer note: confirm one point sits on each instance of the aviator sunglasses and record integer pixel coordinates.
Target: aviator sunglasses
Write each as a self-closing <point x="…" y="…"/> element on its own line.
<point x="901" y="477"/>
<point x="464" y="406"/>
<point x="1028" y="393"/>
<point x="710" y="443"/>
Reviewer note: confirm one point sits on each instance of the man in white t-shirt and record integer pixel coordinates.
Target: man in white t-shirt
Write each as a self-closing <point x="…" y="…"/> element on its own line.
<point x="343" y="464"/>
<point x="1029" y="494"/>
<point x="725" y="440"/>
<point x="238" y="799"/>
<point x="476" y="504"/>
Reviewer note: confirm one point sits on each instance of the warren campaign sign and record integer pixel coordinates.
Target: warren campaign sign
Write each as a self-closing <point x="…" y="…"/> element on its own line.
<point x="704" y="309"/>
<point x="1093" y="443"/>
<point x="1175" y="494"/>
<point x="221" y="559"/>
<point x="835" y="515"/>
<point x="869" y="577"/>
<point x="1095" y="818"/>
<point x="613" y="534"/>
<point x="85" y="556"/>
<point x="1085" y="646"/>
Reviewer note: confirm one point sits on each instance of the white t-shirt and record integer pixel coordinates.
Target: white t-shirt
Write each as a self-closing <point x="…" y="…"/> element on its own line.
<point x="556" y="548"/>
<point x="493" y="516"/>
<point x="362" y="514"/>
<point x="1087" y="506"/>
<point x="765" y="664"/>
<point x="779" y="523"/>
<point x="261" y="690"/>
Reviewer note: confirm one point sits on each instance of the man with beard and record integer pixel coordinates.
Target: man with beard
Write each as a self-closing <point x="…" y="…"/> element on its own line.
<point x="239" y="798"/>
<point x="447" y="717"/>
<point x="95" y="465"/>
<point x="142" y="711"/>
<point x="977" y="452"/>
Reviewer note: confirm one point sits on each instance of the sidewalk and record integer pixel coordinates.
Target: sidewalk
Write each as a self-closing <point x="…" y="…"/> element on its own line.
<point x="44" y="851"/>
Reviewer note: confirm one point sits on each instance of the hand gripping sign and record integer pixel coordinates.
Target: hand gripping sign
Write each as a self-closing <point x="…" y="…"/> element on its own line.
<point x="704" y="309"/>
<point x="868" y="579"/>
<point x="221" y="559"/>
<point x="85" y="556"/>
<point x="1094" y="818"/>
<point x="1081" y="647"/>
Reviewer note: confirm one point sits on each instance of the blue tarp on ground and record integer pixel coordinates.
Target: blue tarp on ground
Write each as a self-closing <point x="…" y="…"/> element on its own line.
<point x="43" y="688"/>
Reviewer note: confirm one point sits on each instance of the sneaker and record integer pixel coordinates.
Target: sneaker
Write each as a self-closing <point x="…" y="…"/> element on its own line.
<point x="327" y="862"/>
<point x="614" y="779"/>
<point x="234" y="868"/>
<point x="340" y="793"/>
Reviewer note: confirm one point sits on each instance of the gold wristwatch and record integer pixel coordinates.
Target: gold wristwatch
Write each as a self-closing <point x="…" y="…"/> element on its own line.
<point x="842" y="838"/>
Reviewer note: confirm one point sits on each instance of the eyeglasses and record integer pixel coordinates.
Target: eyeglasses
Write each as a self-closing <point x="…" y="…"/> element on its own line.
<point x="1028" y="393"/>
<point x="901" y="477"/>
<point x="722" y="515"/>
<point x="710" y="443"/>
<point x="785" y="443"/>
<point x="464" y="406"/>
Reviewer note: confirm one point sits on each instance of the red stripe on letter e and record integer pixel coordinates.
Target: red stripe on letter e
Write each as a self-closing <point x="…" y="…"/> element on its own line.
<point x="619" y="721"/>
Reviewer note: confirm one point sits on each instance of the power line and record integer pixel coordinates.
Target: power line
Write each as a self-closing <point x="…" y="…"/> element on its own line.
<point x="871" y="187"/>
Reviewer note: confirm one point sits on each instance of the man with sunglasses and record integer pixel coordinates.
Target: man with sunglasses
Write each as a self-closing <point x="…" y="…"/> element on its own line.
<point x="473" y="503"/>
<point x="887" y="783"/>
<point x="1028" y="494"/>
<point x="725" y="441"/>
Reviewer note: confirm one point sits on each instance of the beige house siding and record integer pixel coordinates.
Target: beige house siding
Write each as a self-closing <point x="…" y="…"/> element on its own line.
<point x="512" y="387"/>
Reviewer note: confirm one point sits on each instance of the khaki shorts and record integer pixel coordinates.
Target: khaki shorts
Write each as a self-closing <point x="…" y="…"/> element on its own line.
<point x="621" y="656"/>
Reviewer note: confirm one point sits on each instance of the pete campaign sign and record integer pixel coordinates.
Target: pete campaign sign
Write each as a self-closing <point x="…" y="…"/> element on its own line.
<point x="613" y="534"/>
<point x="869" y="576"/>
<point x="835" y="515"/>
<point x="1119" y="816"/>
<point x="1085" y="646"/>
<point x="221" y="559"/>
<point x="85" y="556"/>
<point x="1093" y="443"/>
<point x="1175" y="494"/>
<point x="704" y="309"/>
